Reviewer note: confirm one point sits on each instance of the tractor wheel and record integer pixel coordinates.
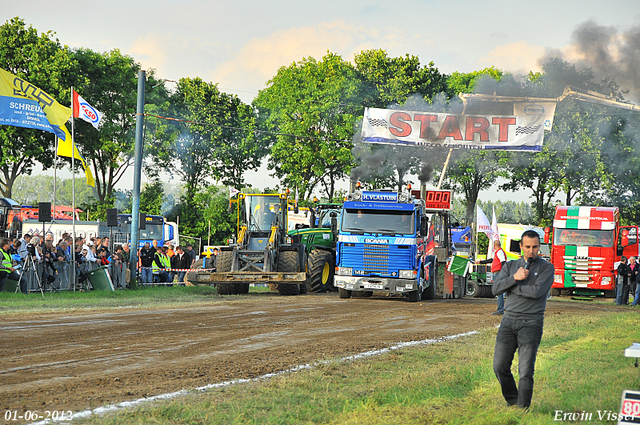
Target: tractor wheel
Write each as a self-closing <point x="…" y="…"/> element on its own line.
<point x="192" y="276"/>
<point x="361" y="294"/>
<point x="473" y="289"/>
<point x="288" y="262"/>
<point x="344" y="293"/>
<point x="242" y="288"/>
<point x="224" y="262"/>
<point x="430" y="292"/>
<point x="488" y="293"/>
<point x="321" y="269"/>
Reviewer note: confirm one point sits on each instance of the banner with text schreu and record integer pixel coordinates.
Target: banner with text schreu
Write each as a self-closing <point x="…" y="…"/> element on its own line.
<point x="502" y="132"/>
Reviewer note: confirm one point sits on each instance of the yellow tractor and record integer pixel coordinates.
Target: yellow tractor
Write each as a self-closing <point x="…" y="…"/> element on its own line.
<point x="262" y="253"/>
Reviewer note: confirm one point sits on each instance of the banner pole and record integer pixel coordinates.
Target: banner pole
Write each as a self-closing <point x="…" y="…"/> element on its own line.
<point x="73" y="195"/>
<point x="55" y="169"/>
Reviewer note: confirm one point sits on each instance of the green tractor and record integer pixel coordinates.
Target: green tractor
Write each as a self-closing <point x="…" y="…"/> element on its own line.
<point x="320" y="240"/>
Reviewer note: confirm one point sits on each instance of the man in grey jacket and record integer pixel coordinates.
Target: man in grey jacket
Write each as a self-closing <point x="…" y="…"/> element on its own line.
<point x="526" y="282"/>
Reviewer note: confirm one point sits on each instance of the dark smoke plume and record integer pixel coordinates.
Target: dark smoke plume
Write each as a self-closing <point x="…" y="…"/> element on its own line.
<point x="608" y="52"/>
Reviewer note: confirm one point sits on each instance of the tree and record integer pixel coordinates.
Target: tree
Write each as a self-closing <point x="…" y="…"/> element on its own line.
<point x="388" y="83"/>
<point x="151" y="198"/>
<point x="308" y="112"/>
<point x="109" y="83"/>
<point x="44" y="62"/>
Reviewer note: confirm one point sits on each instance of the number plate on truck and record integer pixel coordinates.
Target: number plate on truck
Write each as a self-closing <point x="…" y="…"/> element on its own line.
<point x="373" y="286"/>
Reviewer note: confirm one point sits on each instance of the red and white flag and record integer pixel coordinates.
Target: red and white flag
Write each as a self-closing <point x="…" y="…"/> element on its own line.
<point x="82" y="109"/>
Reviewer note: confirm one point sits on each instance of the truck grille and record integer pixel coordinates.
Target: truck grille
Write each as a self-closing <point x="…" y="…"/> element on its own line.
<point x="379" y="259"/>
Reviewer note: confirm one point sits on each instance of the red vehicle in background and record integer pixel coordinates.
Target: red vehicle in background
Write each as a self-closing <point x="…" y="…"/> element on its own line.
<point x="587" y="245"/>
<point x="12" y="215"/>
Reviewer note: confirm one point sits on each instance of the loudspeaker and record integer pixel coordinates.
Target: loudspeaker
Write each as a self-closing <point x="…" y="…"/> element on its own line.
<point x="44" y="212"/>
<point x="112" y="217"/>
<point x="142" y="222"/>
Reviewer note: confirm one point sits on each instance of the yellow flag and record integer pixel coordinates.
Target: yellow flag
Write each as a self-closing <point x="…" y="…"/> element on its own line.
<point x="65" y="148"/>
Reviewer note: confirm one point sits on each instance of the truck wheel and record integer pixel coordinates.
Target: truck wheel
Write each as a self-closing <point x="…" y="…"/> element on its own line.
<point x="473" y="289"/>
<point x="225" y="260"/>
<point x="555" y="292"/>
<point x="321" y="269"/>
<point x="415" y="296"/>
<point x="361" y="294"/>
<point x="344" y="293"/>
<point x="430" y="292"/>
<point x="242" y="288"/>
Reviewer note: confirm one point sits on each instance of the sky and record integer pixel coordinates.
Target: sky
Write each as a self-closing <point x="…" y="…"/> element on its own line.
<point x="241" y="44"/>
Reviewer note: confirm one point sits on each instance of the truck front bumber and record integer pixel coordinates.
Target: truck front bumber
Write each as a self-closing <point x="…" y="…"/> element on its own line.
<point x="376" y="284"/>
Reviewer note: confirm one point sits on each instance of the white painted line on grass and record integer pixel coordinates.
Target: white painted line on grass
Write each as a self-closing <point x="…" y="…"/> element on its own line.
<point x="168" y="396"/>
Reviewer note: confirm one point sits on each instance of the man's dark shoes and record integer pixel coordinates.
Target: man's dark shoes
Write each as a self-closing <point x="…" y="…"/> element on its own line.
<point x="497" y="313"/>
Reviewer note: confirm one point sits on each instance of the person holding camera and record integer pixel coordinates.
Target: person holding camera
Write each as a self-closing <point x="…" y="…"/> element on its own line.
<point x="6" y="268"/>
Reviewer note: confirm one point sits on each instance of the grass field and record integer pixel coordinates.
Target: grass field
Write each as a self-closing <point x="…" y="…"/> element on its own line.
<point x="581" y="370"/>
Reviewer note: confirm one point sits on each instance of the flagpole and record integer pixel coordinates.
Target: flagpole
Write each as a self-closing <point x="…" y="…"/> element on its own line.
<point x="55" y="166"/>
<point x="73" y="195"/>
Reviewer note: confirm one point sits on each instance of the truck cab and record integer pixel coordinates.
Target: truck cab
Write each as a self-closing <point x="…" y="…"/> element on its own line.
<point x="381" y="247"/>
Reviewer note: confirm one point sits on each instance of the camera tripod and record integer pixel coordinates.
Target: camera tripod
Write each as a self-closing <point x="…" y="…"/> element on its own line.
<point x="30" y="264"/>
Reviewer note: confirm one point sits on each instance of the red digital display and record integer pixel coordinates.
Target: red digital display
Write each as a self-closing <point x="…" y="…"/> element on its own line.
<point x="438" y="200"/>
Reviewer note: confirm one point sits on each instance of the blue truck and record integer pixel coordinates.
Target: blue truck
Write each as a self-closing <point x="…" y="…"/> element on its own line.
<point x="385" y="244"/>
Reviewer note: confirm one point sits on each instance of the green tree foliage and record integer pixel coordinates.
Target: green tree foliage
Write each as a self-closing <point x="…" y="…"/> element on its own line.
<point x="469" y="172"/>
<point x="151" y="198"/>
<point x="44" y="62"/>
<point x="109" y="82"/>
<point x="312" y="106"/>
<point x="32" y="189"/>
<point x="388" y="83"/>
<point x="573" y="159"/>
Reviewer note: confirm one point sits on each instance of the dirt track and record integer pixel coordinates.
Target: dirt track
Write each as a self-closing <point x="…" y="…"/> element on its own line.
<point x="74" y="361"/>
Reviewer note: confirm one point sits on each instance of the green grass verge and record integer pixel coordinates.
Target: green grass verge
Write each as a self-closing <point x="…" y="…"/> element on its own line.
<point x="581" y="368"/>
<point x="11" y="303"/>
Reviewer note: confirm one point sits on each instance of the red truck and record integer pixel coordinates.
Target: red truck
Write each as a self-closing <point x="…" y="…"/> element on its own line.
<point x="587" y="244"/>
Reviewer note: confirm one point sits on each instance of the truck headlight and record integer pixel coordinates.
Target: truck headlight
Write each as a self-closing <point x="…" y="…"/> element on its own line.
<point x="407" y="274"/>
<point x="557" y="278"/>
<point x="356" y="196"/>
<point x="606" y="280"/>
<point x="344" y="271"/>
<point x="409" y="287"/>
<point x="402" y="197"/>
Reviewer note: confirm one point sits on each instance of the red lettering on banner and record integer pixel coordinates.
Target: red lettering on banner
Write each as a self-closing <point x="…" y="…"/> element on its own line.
<point x="425" y="122"/>
<point x="477" y="125"/>
<point x="398" y="119"/>
<point x="504" y="123"/>
<point x="450" y="128"/>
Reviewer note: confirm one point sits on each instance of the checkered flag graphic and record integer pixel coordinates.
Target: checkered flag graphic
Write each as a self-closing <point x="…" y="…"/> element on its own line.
<point x="527" y="130"/>
<point x="373" y="122"/>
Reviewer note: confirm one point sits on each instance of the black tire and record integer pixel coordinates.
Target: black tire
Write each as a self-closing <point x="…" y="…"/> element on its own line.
<point x="225" y="260"/>
<point x="288" y="262"/>
<point x="361" y="294"/>
<point x="555" y="292"/>
<point x="344" y="293"/>
<point x="485" y="291"/>
<point x="415" y="296"/>
<point x="473" y="289"/>
<point x="321" y="270"/>
<point x="242" y="288"/>
<point x="304" y="288"/>
<point x="430" y="292"/>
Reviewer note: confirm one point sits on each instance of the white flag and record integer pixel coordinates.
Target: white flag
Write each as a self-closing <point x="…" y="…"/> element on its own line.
<point x="496" y="234"/>
<point x="233" y="192"/>
<point x="483" y="224"/>
<point x="82" y="109"/>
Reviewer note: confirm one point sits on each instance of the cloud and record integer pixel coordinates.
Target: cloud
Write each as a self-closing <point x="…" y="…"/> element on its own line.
<point x="516" y="58"/>
<point x="260" y="58"/>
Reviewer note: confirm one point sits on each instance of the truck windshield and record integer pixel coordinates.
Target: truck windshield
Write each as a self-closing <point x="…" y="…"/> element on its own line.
<point x="383" y="222"/>
<point x="583" y="237"/>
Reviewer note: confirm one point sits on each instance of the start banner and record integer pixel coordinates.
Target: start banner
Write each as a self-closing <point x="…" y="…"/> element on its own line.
<point x="501" y="132"/>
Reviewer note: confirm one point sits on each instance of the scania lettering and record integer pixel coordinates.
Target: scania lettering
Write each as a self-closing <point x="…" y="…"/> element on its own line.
<point x="587" y="244"/>
<point x="382" y="247"/>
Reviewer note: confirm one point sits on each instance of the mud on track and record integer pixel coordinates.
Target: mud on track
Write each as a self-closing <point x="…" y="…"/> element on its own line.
<point x="80" y="360"/>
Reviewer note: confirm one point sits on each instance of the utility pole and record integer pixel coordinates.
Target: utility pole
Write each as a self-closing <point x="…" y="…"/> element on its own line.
<point x="137" y="176"/>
